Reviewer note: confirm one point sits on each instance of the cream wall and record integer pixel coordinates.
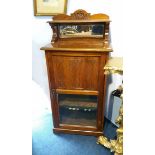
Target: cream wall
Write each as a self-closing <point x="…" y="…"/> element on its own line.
<point x="41" y="35"/>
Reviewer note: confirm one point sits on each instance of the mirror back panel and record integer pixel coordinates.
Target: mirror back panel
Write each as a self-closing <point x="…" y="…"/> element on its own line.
<point x="81" y="30"/>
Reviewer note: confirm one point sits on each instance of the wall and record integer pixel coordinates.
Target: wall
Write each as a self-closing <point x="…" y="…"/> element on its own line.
<point x="41" y="35"/>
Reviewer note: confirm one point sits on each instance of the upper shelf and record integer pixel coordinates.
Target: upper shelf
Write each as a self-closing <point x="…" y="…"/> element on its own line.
<point x="80" y="21"/>
<point x="80" y="31"/>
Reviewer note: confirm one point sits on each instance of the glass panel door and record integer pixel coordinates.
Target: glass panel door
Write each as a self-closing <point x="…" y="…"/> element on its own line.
<point x="78" y="109"/>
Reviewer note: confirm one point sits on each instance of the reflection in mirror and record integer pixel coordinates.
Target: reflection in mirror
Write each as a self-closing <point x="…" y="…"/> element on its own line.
<point x="81" y="30"/>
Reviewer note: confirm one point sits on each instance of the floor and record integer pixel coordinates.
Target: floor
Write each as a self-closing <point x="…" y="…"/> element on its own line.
<point x="44" y="142"/>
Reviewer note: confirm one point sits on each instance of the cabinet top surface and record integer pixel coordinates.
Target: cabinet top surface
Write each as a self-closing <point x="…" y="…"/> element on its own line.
<point x="78" y="45"/>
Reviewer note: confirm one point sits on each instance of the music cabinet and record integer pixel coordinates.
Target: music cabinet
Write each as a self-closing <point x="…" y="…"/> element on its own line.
<point x="75" y="59"/>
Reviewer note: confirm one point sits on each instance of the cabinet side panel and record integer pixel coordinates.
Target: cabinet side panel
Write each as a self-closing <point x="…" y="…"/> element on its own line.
<point x="101" y="100"/>
<point x="49" y="64"/>
<point x="54" y="104"/>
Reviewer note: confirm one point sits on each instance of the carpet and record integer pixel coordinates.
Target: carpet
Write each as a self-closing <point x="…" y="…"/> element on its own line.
<point x="45" y="142"/>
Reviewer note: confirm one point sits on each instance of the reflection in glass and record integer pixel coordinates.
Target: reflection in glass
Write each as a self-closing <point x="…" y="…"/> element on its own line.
<point x="77" y="109"/>
<point x="81" y="30"/>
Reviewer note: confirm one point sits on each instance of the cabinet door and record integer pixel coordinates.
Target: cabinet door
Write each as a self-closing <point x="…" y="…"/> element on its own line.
<point x="80" y="77"/>
<point x="76" y="72"/>
<point x="78" y="109"/>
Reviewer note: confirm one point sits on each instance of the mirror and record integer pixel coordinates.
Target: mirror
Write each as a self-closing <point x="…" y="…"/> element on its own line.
<point x="96" y="30"/>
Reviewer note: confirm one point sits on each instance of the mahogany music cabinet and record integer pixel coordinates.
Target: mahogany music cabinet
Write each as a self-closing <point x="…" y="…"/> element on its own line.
<point x="75" y="59"/>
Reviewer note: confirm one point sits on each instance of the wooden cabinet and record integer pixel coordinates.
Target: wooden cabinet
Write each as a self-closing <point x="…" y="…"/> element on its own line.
<point x="75" y="60"/>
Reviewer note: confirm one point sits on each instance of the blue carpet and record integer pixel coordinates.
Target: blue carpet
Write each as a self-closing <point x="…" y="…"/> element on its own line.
<point x="44" y="142"/>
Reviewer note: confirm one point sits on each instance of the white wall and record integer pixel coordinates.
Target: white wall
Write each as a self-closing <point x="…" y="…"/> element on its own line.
<point x="41" y="35"/>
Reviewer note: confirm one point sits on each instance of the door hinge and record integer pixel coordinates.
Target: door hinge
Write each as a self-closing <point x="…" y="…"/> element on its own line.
<point x="53" y="91"/>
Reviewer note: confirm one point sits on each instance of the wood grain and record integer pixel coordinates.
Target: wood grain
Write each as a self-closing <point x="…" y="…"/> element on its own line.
<point x="75" y="66"/>
<point x="78" y="92"/>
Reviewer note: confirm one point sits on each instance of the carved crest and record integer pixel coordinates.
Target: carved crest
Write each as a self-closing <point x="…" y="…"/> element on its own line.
<point x="80" y="14"/>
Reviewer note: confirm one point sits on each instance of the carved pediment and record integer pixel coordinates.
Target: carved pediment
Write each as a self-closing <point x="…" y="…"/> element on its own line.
<point x="81" y="15"/>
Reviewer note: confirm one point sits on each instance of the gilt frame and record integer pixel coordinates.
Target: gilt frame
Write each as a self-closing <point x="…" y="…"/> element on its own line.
<point x="49" y="7"/>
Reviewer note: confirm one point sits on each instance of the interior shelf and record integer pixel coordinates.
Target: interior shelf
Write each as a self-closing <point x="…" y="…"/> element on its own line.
<point x="78" y="118"/>
<point x="78" y="104"/>
<point x="78" y="109"/>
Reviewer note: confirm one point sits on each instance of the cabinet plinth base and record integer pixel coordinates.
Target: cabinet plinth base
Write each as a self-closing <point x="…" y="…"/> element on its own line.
<point x="81" y="132"/>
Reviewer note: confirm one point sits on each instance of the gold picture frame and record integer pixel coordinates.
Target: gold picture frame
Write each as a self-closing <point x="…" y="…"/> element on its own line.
<point x="49" y="7"/>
